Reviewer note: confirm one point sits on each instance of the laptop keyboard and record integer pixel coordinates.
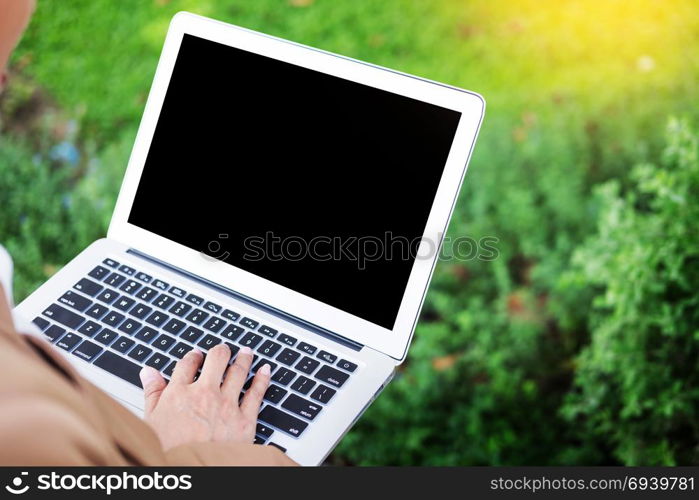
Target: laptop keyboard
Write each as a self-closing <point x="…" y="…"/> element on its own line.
<point x="120" y="320"/>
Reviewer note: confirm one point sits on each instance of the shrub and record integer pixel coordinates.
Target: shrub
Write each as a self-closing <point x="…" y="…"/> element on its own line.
<point x="56" y="212"/>
<point x="637" y="382"/>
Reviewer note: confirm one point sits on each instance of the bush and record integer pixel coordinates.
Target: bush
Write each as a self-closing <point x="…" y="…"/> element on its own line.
<point x="637" y="382"/>
<point x="57" y="212"/>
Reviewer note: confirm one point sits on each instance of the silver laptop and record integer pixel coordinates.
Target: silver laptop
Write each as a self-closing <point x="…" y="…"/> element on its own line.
<point x="277" y="197"/>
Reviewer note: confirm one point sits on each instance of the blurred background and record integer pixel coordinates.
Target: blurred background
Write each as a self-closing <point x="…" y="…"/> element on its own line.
<point x="579" y="344"/>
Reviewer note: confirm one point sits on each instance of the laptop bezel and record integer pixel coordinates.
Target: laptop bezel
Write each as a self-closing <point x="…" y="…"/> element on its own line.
<point x="393" y="342"/>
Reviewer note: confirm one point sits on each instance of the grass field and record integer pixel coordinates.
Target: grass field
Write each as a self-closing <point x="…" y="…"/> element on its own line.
<point x="578" y="93"/>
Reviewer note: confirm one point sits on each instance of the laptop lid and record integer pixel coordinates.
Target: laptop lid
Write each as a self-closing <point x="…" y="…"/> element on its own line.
<point x="316" y="184"/>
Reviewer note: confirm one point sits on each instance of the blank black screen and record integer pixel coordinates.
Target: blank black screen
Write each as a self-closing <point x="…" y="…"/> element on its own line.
<point x="248" y="146"/>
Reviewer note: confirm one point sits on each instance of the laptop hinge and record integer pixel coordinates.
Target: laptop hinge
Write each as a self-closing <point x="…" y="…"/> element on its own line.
<point x="255" y="303"/>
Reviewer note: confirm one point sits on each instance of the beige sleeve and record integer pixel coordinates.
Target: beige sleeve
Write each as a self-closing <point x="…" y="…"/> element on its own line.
<point x="37" y="431"/>
<point x="227" y="454"/>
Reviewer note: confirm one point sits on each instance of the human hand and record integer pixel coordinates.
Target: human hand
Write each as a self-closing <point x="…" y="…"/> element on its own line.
<point x="186" y="411"/>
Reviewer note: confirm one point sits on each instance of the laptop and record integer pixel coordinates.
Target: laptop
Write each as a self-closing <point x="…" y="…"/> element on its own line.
<point x="278" y="197"/>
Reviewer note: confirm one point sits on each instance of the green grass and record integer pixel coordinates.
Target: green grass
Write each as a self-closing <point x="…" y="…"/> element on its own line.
<point x="577" y="91"/>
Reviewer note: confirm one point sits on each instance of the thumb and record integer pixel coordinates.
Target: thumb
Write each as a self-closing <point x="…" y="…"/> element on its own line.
<point x="153" y="386"/>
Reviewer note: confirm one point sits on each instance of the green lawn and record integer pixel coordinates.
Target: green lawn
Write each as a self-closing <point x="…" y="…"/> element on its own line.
<point x="578" y="93"/>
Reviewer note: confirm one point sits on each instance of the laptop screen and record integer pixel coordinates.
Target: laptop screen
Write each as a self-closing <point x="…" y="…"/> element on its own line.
<point x="311" y="181"/>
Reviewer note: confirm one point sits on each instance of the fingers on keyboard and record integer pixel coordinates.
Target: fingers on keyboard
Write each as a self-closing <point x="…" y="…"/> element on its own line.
<point x="133" y="319"/>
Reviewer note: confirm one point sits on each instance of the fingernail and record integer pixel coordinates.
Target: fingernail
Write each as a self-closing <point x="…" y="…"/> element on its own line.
<point x="266" y="369"/>
<point x="195" y="352"/>
<point x="246" y="350"/>
<point x="148" y="375"/>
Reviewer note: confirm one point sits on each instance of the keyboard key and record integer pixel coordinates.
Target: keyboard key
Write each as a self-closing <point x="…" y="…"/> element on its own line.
<point x="210" y="306"/>
<point x="299" y="406"/>
<point x="130" y="326"/>
<point x="113" y="318"/>
<point x="115" y="279"/>
<point x="208" y="342"/>
<point x="180" y="309"/>
<point x="164" y="342"/>
<point x="107" y="296"/>
<point x="307" y="348"/>
<point x="279" y="447"/>
<point x="251" y="340"/>
<point x="250" y="323"/>
<point x="75" y="300"/>
<point x="54" y="332"/>
<point x="282" y="421"/>
<point x="232" y="315"/>
<point x="174" y="326"/>
<point x="194" y="299"/>
<point x="283" y="376"/>
<point x="106" y="336"/>
<point x="232" y="332"/>
<point x="158" y="361"/>
<point x="346" y="365"/>
<point x="88" y="287"/>
<point x="163" y="301"/>
<point x="214" y="324"/>
<point x="191" y="334"/>
<point x="303" y="385"/>
<point x="146" y="334"/>
<point x="139" y="353"/>
<point x="97" y="311"/>
<point x="127" y="270"/>
<point x="87" y="350"/>
<point x="307" y="365"/>
<point x="157" y="318"/>
<point x="41" y="323"/>
<point x="98" y="273"/>
<point x="144" y="277"/>
<point x="89" y="328"/>
<point x="121" y="367"/>
<point x="63" y="316"/>
<point x="326" y="356"/>
<point x="140" y="311"/>
<point x="130" y="286"/>
<point x="262" y="362"/>
<point x="124" y="303"/>
<point x="275" y="393"/>
<point x="263" y="430"/>
<point x="180" y="350"/>
<point x="147" y="294"/>
<point x="123" y="344"/>
<point x="247" y="384"/>
<point x="68" y="341"/>
<point x="286" y="339"/>
<point x="269" y="348"/>
<point x="178" y="292"/>
<point x="265" y="330"/>
<point x="332" y="376"/>
<point x="170" y="368"/>
<point x="259" y="440"/>
<point x="110" y="263"/>
<point x="197" y="316"/>
<point x="160" y="285"/>
<point x="234" y="350"/>
<point x="323" y="393"/>
<point x="288" y="357"/>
